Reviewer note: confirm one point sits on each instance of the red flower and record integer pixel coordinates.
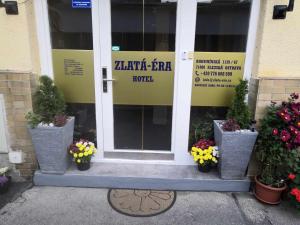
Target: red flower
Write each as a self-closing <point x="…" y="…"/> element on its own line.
<point x="284" y="115"/>
<point x="204" y="143"/>
<point x="292" y="176"/>
<point x="297" y="139"/>
<point x="294" y="191"/>
<point x="285" y="135"/>
<point x="275" y="131"/>
<point x="287" y="118"/>
<point x="296" y="108"/>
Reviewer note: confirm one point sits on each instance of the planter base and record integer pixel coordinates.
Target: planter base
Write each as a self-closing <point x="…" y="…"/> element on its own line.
<point x="268" y="194"/>
<point x="51" y="145"/>
<point x="264" y="201"/>
<point x="204" y="169"/>
<point x="83" y="166"/>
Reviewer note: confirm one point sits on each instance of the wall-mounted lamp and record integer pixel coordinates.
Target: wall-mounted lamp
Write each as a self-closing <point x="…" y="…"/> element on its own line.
<point x="280" y="10"/>
<point x="11" y="7"/>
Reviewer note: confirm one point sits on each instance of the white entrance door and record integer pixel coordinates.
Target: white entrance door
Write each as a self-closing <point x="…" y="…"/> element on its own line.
<point x="143" y="62"/>
<point x="139" y="104"/>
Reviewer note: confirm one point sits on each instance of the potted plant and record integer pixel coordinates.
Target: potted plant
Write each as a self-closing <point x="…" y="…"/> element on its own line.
<point x="51" y="130"/>
<point x="235" y="137"/>
<point x="4" y="180"/>
<point x="278" y="140"/>
<point x="205" y="154"/>
<point x="82" y="152"/>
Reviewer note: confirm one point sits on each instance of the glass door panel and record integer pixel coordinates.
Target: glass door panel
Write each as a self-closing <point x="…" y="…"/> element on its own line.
<point x="72" y="55"/>
<point x="220" y="46"/>
<point x="143" y="61"/>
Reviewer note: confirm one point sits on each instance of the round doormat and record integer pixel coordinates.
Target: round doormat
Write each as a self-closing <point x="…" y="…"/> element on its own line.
<point x="140" y="203"/>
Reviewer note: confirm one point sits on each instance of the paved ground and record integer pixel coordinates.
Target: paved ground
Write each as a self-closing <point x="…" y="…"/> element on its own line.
<point x="15" y="191"/>
<point x="87" y="206"/>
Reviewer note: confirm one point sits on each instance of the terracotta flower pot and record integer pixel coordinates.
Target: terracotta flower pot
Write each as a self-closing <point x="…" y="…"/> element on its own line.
<point x="268" y="194"/>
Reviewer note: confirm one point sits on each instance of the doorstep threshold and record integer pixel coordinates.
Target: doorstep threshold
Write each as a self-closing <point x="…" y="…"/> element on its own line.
<point x="142" y="176"/>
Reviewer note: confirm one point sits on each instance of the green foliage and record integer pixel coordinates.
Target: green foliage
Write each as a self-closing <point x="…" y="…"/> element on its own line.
<point x="270" y="150"/>
<point x="201" y="128"/>
<point x="33" y="119"/>
<point x="48" y="102"/>
<point x="239" y="110"/>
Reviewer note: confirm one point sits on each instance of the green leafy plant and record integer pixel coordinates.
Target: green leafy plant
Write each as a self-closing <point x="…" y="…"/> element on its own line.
<point x="48" y="102"/>
<point x="278" y="140"/>
<point x="239" y="110"/>
<point x="33" y="119"/>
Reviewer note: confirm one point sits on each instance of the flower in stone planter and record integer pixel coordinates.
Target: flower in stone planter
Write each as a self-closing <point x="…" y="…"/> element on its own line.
<point x="204" y="154"/>
<point x="82" y="151"/>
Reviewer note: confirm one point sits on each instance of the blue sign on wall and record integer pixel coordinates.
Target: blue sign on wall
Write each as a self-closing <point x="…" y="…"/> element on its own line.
<point x="84" y="4"/>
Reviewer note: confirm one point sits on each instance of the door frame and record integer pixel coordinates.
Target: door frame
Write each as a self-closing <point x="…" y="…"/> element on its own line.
<point x="102" y="58"/>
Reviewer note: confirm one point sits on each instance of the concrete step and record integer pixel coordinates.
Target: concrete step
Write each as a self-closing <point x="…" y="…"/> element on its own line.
<point x="142" y="176"/>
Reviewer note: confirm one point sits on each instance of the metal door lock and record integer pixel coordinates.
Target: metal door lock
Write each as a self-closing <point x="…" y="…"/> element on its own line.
<point x="105" y="80"/>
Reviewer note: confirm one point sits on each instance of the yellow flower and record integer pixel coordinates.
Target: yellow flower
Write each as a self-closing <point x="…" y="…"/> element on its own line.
<point x="90" y="152"/>
<point x="86" y="154"/>
<point x="81" y="148"/>
<point x="75" y="155"/>
<point x="201" y="161"/>
<point x="80" y="154"/>
<point x="78" y="144"/>
<point x="214" y="159"/>
<point x="196" y="158"/>
<point x="209" y="157"/>
<point x="194" y="149"/>
<point x="78" y="160"/>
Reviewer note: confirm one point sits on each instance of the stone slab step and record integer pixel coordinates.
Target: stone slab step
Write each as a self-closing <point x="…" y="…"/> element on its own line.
<point x="142" y="176"/>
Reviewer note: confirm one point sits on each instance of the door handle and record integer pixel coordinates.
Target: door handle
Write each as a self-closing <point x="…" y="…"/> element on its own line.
<point x="108" y="80"/>
<point x="105" y="84"/>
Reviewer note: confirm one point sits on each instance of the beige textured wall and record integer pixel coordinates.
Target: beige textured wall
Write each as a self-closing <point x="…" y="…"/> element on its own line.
<point x="278" y="44"/>
<point x="18" y="41"/>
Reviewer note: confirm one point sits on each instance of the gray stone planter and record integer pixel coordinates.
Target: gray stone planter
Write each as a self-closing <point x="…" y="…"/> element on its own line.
<point x="51" y="144"/>
<point x="235" y="151"/>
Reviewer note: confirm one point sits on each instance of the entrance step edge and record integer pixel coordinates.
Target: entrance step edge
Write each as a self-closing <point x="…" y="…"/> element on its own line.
<point x="139" y="176"/>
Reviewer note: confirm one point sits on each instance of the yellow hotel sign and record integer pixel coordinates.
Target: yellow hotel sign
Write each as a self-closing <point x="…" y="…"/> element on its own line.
<point x="74" y="74"/>
<point x="215" y="75"/>
<point x="147" y="78"/>
<point x="143" y="78"/>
